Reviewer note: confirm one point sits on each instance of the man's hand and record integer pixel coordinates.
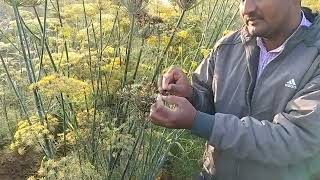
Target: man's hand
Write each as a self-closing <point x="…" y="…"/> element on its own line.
<point x="181" y="117"/>
<point x="175" y="82"/>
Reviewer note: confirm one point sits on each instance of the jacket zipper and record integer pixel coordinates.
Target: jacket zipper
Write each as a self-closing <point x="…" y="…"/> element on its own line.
<point x="249" y="114"/>
<point x="258" y="80"/>
<point x="248" y="103"/>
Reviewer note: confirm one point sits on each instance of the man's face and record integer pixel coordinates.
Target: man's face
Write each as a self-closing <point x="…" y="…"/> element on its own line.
<point x="264" y="18"/>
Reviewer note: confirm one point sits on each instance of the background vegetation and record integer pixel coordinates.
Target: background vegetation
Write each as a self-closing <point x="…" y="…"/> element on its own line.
<point x="77" y="78"/>
<point x="313" y="4"/>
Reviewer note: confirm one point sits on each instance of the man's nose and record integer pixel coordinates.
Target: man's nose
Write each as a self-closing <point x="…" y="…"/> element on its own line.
<point x="248" y="6"/>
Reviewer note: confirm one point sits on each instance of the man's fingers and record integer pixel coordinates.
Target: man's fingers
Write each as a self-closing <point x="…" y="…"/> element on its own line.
<point x="157" y="119"/>
<point x="176" y="100"/>
<point x="170" y="77"/>
<point x="175" y="89"/>
<point x="159" y="83"/>
<point x="160" y="114"/>
<point x="166" y="80"/>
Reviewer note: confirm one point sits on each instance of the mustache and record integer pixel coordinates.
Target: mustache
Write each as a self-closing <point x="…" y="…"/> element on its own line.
<point x="251" y="17"/>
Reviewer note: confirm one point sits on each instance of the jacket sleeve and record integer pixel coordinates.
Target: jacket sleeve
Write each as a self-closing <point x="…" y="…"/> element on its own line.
<point x="293" y="135"/>
<point x="202" y="97"/>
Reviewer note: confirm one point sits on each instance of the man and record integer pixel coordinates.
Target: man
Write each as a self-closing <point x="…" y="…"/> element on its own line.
<point x="256" y="98"/>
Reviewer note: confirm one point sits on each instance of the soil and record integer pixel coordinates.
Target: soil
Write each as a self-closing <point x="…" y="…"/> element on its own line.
<point x="18" y="167"/>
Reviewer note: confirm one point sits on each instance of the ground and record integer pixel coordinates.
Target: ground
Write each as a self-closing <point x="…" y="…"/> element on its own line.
<point x="16" y="167"/>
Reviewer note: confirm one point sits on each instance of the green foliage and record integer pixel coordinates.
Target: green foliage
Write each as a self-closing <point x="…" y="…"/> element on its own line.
<point x="60" y="169"/>
<point x="313" y="4"/>
<point x="30" y="134"/>
<point x="186" y="157"/>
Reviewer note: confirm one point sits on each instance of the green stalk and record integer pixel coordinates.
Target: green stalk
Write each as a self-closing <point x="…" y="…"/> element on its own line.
<point x="229" y="24"/>
<point x="147" y="157"/>
<point x="15" y="8"/>
<point x="218" y="12"/>
<point x="6" y="37"/>
<point x="28" y="48"/>
<point x="65" y="42"/>
<point x="101" y="35"/>
<point x="157" y="151"/>
<point x="88" y="39"/>
<point x="43" y="38"/>
<point x="177" y="134"/>
<point x="112" y="29"/>
<point x="64" y="126"/>
<point x="139" y="59"/>
<point x="119" y="152"/>
<point x="31" y="75"/>
<point x="118" y="49"/>
<point x="29" y="30"/>
<point x="158" y="67"/>
<point x="28" y="63"/>
<point x="5" y="113"/>
<point x="205" y="30"/>
<point x="96" y="96"/>
<point x="93" y="127"/>
<point x="131" y="154"/>
<point x="136" y="162"/>
<point x="26" y="41"/>
<point x="23" y="107"/>
<point x="95" y="37"/>
<point x="36" y="48"/>
<point x="219" y="21"/>
<point x="128" y="53"/>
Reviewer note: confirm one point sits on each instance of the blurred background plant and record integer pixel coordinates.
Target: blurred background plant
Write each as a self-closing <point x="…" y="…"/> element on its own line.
<point x="77" y="80"/>
<point x="312" y="4"/>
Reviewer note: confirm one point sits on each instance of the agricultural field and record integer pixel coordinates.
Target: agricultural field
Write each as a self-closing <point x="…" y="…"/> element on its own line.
<point x="77" y="78"/>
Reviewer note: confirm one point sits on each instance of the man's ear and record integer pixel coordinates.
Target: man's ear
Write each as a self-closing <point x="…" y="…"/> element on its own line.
<point x="296" y="2"/>
<point x="299" y="1"/>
